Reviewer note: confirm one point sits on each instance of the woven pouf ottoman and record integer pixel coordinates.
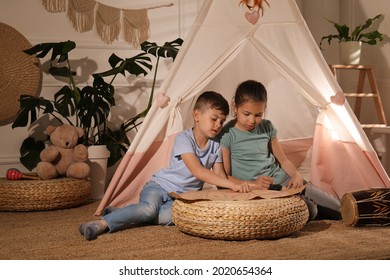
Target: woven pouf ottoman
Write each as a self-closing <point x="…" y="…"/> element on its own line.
<point x="35" y="195"/>
<point x="241" y="220"/>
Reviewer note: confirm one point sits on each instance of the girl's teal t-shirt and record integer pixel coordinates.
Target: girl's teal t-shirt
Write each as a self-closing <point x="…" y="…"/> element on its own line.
<point x="250" y="152"/>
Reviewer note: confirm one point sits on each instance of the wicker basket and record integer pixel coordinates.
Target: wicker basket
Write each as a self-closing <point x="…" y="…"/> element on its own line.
<point x="241" y="220"/>
<point x="34" y="195"/>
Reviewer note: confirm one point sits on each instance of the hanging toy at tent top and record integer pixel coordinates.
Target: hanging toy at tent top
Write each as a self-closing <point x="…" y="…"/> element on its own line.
<point x="254" y="6"/>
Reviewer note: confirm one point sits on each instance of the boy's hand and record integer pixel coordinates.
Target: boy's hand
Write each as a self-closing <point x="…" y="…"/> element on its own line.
<point x="264" y="181"/>
<point x="242" y="188"/>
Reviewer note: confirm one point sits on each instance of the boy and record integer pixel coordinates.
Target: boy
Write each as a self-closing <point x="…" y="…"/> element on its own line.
<point x="194" y="153"/>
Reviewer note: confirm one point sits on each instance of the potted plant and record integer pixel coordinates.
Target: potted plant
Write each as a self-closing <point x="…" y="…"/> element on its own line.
<point x="351" y="42"/>
<point x="90" y="106"/>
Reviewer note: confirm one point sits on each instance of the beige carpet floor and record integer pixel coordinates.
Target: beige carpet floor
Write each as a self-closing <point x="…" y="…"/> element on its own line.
<point x="53" y="235"/>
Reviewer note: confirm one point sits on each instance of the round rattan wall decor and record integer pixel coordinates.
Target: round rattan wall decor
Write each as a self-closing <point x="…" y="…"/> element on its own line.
<point x="19" y="72"/>
<point x="241" y="220"/>
<point x="35" y="195"/>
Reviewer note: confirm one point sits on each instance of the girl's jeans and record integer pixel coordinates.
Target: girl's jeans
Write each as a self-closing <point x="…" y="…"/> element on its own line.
<point x="154" y="207"/>
<point x="327" y="205"/>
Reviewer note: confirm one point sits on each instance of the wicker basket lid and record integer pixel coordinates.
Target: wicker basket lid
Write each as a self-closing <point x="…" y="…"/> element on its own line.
<point x="19" y="72"/>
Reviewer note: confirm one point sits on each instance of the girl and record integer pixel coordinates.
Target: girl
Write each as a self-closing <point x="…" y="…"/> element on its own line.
<point x="251" y="150"/>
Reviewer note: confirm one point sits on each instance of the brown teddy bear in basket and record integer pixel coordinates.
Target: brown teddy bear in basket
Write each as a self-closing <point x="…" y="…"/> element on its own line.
<point x="64" y="157"/>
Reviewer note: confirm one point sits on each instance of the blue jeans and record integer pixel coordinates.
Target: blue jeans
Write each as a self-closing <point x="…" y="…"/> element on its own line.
<point x="154" y="207"/>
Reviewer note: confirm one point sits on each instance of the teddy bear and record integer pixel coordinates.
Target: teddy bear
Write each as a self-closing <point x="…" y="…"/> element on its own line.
<point x="64" y="157"/>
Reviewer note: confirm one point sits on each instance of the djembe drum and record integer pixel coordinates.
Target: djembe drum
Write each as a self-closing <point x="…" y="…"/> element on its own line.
<point x="367" y="207"/>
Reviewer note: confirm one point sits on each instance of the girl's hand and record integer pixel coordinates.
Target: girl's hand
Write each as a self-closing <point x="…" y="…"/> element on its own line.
<point x="264" y="181"/>
<point x="296" y="181"/>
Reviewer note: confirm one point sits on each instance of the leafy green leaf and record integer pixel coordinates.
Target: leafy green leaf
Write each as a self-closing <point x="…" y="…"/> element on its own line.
<point x="65" y="102"/>
<point x="30" y="151"/>
<point x="60" y="49"/>
<point x="95" y="103"/>
<point x="169" y="49"/>
<point x="139" y="64"/>
<point x="136" y="65"/>
<point x="29" y="109"/>
<point x="114" y="60"/>
<point x="105" y="91"/>
<point x="40" y="50"/>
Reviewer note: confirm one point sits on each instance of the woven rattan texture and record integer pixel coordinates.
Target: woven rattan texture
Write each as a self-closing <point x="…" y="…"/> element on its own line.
<point x="19" y="72"/>
<point x="241" y="220"/>
<point x="34" y="195"/>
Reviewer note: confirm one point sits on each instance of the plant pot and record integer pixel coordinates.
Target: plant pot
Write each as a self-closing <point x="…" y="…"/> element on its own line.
<point x="350" y="52"/>
<point x="98" y="156"/>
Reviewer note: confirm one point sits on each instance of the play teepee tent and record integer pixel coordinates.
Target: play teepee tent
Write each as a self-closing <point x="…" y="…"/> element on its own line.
<point x="229" y="43"/>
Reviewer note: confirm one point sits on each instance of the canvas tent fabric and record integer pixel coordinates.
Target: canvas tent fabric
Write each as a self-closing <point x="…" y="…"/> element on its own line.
<point x="223" y="49"/>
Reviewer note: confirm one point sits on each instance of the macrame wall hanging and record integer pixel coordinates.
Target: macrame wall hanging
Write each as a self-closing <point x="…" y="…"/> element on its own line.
<point x="109" y="21"/>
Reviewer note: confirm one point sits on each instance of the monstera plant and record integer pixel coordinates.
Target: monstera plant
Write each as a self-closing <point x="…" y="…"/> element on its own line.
<point x="88" y="107"/>
<point x="358" y="34"/>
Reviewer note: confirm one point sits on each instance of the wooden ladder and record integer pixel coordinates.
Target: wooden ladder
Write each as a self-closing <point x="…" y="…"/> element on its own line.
<point x="364" y="71"/>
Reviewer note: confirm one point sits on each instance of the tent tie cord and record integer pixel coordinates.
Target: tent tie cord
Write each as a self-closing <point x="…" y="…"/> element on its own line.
<point x="338" y="99"/>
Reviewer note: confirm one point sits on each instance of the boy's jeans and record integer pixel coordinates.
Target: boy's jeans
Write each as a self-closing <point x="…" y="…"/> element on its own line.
<point x="154" y="207"/>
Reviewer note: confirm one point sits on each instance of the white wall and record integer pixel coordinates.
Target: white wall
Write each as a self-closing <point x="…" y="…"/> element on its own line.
<point x="38" y="25"/>
<point x="379" y="56"/>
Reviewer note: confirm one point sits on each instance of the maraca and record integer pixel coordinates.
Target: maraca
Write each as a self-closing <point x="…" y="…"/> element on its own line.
<point x="15" y="174"/>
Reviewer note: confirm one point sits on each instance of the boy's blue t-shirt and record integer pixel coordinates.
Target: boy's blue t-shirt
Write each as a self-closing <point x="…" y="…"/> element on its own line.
<point x="177" y="177"/>
<point x="250" y="153"/>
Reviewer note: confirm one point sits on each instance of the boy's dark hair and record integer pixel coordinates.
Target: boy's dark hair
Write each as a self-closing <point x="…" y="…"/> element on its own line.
<point x="250" y="90"/>
<point x="213" y="100"/>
